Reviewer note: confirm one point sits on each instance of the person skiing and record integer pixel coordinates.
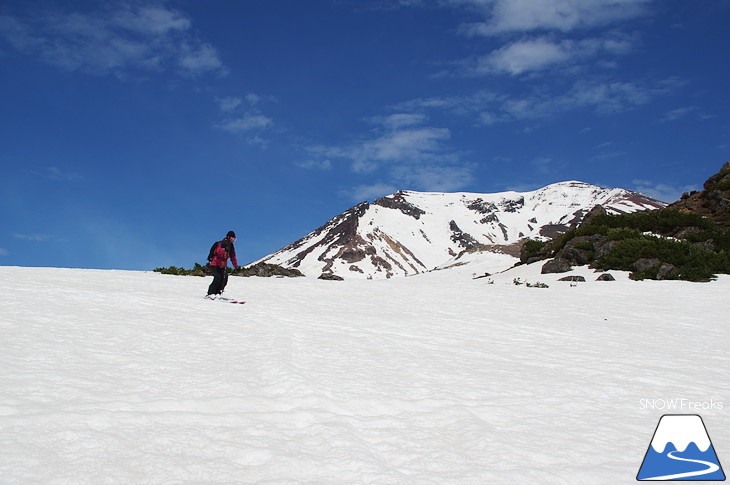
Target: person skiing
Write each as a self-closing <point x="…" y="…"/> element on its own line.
<point x="218" y="257"/>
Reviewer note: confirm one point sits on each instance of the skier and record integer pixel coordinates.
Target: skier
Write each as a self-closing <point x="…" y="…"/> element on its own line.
<point x="218" y="257"/>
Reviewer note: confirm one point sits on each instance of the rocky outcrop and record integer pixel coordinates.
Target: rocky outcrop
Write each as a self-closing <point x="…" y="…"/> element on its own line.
<point x="398" y="201"/>
<point x="330" y="277"/>
<point x="713" y="201"/>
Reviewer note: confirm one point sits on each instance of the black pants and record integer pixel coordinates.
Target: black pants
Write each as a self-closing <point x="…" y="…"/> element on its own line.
<point x="220" y="280"/>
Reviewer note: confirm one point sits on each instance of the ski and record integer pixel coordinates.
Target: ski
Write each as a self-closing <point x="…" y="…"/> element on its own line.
<point x="231" y="300"/>
<point x="227" y="300"/>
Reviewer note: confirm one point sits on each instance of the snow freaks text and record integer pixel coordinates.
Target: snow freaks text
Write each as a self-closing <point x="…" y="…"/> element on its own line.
<point x="679" y="405"/>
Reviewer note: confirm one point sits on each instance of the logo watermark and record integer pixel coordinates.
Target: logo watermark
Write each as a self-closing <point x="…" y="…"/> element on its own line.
<point x="680" y="449"/>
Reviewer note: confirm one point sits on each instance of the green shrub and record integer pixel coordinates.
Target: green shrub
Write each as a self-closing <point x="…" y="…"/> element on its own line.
<point x="533" y="248"/>
<point x="621" y="233"/>
<point x="197" y="270"/>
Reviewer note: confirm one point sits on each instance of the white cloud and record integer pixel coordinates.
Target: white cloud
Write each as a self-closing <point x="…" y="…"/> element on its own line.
<point x="504" y="16"/>
<point x="396" y="146"/>
<point x="405" y="156"/>
<point x="407" y="144"/>
<point x="121" y="40"/>
<point x="524" y="56"/>
<point x="541" y="53"/>
<point x="55" y="173"/>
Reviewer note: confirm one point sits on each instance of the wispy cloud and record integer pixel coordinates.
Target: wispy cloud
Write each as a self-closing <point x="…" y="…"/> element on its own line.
<point x="661" y="191"/>
<point x="369" y="191"/>
<point x="508" y="16"/>
<point x="55" y="173"/>
<point x="3" y="252"/>
<point x="600" y="95"/>
<point x="403" y="153"/>
<point x="245" y="123"/>
<point x="685" y="112"/>
<point x="244" y="116"/>
<point x="41" y="238"/>
<point x="410" y="145"/>
<point x="123" y="40"/>
<point x="325" y="164"/>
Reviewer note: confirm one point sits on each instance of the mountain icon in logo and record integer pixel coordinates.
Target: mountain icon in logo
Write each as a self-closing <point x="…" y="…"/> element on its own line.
<point x="681" y="450"/>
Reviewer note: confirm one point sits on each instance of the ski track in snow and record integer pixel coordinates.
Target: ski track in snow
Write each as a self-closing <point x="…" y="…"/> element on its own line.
<point x="133" y="377"/>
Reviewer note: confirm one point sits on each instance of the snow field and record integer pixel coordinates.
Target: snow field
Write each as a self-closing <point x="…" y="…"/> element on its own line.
<point x="132" y="377"/>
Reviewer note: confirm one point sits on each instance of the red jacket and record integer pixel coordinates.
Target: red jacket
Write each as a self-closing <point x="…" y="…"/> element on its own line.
<point x="221" y="252"/>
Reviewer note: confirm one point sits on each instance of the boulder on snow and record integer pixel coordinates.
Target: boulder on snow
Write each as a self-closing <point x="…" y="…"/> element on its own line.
<point x="644" y="264"/>
<point x="606" y="277"/>
<point x="666" y="271"/>
<point x="556" y="265"/>
<point x="573" y="278"/>
<point x="330" y="277"/>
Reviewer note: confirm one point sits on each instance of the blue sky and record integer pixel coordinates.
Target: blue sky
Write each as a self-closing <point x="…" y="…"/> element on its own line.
<point x="135" y="133"/>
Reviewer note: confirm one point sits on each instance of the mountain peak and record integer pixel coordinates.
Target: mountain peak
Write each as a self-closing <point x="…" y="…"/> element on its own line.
<point x="411" y="232"/>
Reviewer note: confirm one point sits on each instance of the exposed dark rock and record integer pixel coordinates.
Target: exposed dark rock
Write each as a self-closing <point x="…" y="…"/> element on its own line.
<point x="512" y="205"/>
<point x="572" y="278"/>
<point x="330" y="277"/>
<point x="666" y="271"/>
<point x="462" y="238"/>
<point x="488" y="209"/>
<point x="556" y="265"/>
<point x="645" y="264"/>
<point x="577" y="219"/>
<point x="482" y="207"/>
<point x="551" y="231"/>
<point x="713" y="202"/>
<point x="606" y="277"/>
<point x="397" y="201"/>
<point x="604" y="248"/>
<point x="708" y="245"/>
<point x="598" y="210"/>
<point x="575" y="256"/>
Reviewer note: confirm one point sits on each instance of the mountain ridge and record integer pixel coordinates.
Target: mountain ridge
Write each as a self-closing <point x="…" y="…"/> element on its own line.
<point x="412" y="232"/>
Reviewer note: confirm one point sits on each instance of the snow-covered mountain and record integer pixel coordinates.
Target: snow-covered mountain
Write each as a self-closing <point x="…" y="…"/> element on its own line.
<point x="414" y="232"/>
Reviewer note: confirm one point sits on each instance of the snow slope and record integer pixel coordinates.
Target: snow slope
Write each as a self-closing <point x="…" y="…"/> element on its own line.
<point x="133" y="377"/>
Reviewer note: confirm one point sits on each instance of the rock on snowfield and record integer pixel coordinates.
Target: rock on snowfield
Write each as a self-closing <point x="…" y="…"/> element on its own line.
<point x="132" y="377"/>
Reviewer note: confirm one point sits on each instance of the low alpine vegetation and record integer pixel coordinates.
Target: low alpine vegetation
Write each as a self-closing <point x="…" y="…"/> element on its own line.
<point x="662" y="244"/>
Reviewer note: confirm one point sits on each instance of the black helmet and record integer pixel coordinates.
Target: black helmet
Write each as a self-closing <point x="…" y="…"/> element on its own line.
<point x="231" y="234"/>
